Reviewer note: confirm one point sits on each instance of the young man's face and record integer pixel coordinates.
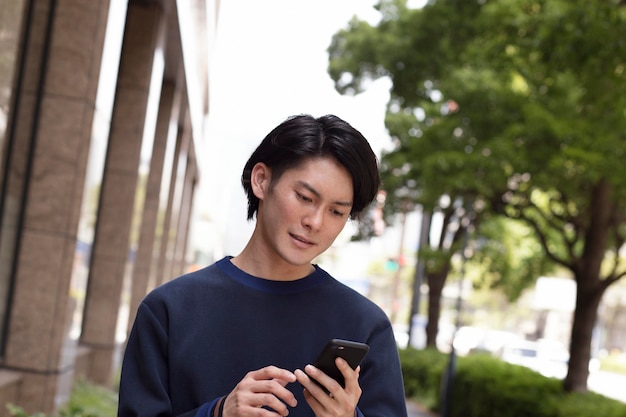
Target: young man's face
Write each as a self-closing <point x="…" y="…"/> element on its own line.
<point x="301" y="214"/>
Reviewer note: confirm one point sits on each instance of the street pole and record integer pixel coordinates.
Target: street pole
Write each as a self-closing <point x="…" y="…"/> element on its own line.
<point x="448" y="380"/>
<point x="420" y="271"/>
<point x="400" y="266"/>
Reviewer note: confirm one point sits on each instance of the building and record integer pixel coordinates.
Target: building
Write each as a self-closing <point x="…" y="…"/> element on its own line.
<point x="102" y="112"/>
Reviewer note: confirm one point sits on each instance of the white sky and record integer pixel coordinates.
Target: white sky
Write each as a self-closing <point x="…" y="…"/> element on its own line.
<point x="270" y="62"/>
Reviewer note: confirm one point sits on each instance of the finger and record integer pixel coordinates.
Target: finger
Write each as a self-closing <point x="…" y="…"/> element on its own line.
<point x="254" y="405"/>
<point x="351" y="376"/>
<point x="265" y="387"/>
<point x="312" y="392"/>
<point x="273" y="372"/>
<point x="276" y="389"/>
<point x="271" y="403"/>
<point x="310" y="378"/>
<point x="307" y="382"/>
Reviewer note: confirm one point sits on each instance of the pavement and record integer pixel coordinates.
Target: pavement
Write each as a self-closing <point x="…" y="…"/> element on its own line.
<point x="417" y="410"/>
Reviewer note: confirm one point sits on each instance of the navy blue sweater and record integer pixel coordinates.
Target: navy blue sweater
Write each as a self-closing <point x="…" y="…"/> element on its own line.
<point x="194" y="338"/>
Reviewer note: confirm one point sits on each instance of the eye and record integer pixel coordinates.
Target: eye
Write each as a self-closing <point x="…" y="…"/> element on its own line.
<point x="337" y="212"/>
<point x="304" y="198"/>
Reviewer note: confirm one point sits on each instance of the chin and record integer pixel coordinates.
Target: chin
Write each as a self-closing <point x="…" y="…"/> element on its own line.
<point x="299" y="259"/>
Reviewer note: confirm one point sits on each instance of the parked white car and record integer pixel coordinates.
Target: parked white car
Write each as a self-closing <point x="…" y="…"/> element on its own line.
<point x="548" y="359"/>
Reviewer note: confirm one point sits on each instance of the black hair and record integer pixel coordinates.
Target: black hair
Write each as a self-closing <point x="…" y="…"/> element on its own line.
<point x="303" y="137"/>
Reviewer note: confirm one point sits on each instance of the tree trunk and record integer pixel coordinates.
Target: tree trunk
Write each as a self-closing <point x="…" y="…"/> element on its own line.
<point x="589" y="287"/>
<point x="585" y="315"/>
<point x="436" y="282"/>
<point x="437" y="279"/>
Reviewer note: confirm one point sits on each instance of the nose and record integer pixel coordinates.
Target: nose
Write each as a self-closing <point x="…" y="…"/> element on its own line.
<point x="313" y="219"/>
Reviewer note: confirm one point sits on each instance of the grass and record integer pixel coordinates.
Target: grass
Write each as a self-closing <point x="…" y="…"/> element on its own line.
<point x="87" y="400"/>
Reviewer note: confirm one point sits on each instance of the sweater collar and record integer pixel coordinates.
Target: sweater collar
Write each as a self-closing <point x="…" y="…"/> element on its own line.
<point x="267" y="285"/>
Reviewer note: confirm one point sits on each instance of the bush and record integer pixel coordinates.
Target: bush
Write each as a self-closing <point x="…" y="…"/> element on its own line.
<point x="614" y="363"/>
<point x="422" y="371"/>
<point x="484" y="386"/>
<point x="589" y="404"/>
<point x="17" y="411"/>
<point x="87" y="400"/>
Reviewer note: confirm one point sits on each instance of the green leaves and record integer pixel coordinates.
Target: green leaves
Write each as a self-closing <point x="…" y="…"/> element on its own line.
<point x="483" y="91"/>
<point x="504" y="102"/>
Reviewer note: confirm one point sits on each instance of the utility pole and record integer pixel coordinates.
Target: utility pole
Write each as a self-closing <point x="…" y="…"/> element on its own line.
<point x="400" y="264"/>
<point x="420" y="270"/>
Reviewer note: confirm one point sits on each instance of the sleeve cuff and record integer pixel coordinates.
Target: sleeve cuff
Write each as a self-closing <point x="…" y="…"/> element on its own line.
<point x="206" y="409"/>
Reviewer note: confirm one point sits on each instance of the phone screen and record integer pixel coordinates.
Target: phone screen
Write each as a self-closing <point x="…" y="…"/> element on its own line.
<point x="352" y="352"/>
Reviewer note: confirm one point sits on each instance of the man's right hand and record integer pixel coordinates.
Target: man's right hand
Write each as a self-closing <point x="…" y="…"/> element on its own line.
<point x="262" y="388"/>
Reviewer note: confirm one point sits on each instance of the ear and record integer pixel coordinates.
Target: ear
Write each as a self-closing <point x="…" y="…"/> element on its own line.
<point x="260" y="179"/>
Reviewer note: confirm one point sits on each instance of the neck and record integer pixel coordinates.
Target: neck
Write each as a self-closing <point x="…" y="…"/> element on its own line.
<point x="258" y="265"/>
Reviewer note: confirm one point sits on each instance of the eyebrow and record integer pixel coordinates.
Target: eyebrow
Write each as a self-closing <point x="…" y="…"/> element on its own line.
<point x="312" y="190"/>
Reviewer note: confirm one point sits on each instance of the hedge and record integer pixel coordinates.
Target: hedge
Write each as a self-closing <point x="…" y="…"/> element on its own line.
<point x="484" y="386"/>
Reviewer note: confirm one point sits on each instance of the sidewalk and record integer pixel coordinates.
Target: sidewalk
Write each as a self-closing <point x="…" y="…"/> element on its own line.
<point x="417" y="410"/>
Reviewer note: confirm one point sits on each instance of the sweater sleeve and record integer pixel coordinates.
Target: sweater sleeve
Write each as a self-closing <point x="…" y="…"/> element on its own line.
<point x="144" y="380"/>
<point x="381" y="378"/>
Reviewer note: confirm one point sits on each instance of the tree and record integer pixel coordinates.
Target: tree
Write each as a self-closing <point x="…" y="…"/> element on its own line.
<point x="508" y="256"/>
<point x="437" y="257"/>
<point x="518" y="106"/>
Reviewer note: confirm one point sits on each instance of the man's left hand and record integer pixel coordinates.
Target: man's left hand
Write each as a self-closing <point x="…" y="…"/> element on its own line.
<point x="339" y="401"/>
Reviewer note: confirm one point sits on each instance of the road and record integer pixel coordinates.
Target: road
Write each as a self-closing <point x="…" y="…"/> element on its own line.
<point x="416" y="410"/>
<point x="609" y="384"/>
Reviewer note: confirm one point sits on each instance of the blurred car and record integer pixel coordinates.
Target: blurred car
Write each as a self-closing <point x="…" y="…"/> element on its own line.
<point x="473" y="340"/>
<point x="401" y="334"/>
<point x="548" y="359"/>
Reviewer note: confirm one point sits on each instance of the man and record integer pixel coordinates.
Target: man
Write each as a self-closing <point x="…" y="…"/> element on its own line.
<point x="238" y="338"/>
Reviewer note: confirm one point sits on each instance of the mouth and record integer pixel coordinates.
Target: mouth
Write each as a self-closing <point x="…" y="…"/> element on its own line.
<point x="301" y="239"/>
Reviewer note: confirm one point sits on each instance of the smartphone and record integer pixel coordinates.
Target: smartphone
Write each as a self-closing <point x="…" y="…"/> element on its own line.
<point x="352" y="352"/>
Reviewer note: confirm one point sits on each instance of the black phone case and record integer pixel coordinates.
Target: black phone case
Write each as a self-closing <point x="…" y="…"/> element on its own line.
<point x="352" y="352"/>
